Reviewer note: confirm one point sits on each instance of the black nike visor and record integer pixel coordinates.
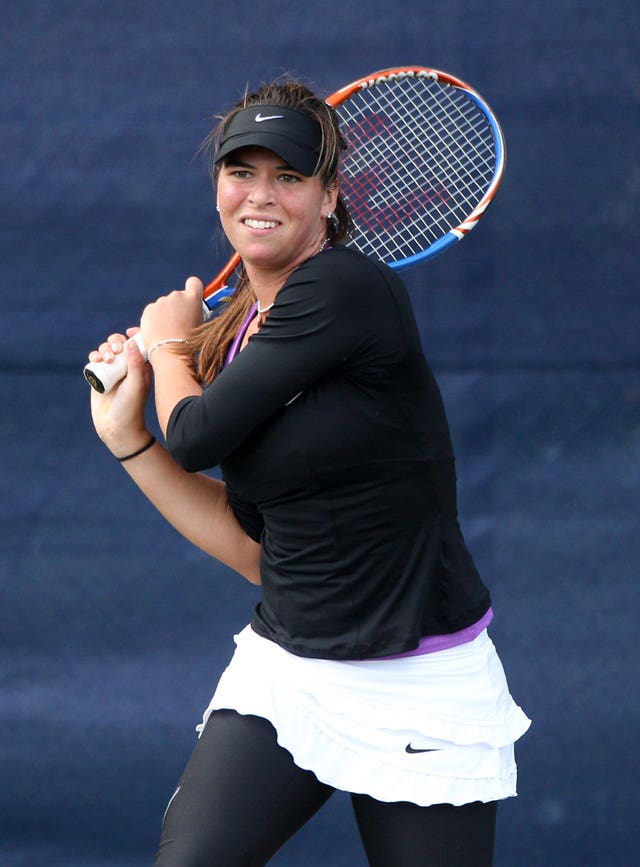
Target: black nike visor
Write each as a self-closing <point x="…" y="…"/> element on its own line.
<point x="293" y="136"/>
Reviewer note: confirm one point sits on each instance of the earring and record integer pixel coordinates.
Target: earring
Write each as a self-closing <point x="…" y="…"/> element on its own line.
<point x="330" y="215"/>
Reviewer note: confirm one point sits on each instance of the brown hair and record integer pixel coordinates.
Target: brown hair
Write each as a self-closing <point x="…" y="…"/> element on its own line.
<point x="210" y="342"/>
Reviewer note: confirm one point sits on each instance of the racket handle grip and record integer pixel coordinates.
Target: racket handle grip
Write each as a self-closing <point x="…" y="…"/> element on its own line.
<point x="103" y="377"/>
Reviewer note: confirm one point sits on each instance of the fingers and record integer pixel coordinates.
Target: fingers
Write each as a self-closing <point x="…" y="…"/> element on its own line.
<point x="194" y="285"/>
<point x="133" y="353"/>
<point x="107" y="351"/>
<point x="136" y="362"/>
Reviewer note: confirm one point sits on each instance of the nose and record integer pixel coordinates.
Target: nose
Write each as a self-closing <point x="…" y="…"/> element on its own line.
<point x="262" y="191"/>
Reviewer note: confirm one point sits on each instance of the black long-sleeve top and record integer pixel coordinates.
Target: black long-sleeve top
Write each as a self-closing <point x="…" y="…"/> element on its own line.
<point x="334" y="445"/>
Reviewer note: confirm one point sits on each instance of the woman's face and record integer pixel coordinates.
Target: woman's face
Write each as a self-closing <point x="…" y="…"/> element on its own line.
<point x="273" y="216"/>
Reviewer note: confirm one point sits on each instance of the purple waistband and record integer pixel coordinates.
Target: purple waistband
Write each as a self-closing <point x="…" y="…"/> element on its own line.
<point x="433" y="643"/>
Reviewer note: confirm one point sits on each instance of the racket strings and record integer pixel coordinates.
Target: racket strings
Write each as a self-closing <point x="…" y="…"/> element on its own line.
<point x="421" y="158"/>
<point x="418" y="126"/>
<point x="436" y="129"/>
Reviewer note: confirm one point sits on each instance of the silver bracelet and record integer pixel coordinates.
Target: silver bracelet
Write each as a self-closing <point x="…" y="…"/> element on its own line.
<point x="163" y="343"/>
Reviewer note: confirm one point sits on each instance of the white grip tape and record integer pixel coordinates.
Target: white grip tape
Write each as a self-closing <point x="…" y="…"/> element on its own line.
<point x="102" y="376"/>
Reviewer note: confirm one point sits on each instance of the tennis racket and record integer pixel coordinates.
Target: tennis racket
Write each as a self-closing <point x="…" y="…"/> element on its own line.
<point x="426" y="156"/>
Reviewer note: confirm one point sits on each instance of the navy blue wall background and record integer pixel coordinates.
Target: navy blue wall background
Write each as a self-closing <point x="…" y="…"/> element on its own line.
<point x="112" y="629"/>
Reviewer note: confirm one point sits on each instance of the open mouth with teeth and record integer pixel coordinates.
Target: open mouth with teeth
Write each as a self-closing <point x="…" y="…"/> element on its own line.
<point x="261" y="224"/>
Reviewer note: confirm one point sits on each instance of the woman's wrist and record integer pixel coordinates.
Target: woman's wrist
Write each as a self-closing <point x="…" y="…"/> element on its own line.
<point x="124" y="446"/>
<point x="150" y="440"/>
<point x="168" y="342"/>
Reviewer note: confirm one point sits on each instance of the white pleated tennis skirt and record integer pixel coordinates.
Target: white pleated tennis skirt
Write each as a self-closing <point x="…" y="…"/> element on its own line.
<point x="430" y="729"/>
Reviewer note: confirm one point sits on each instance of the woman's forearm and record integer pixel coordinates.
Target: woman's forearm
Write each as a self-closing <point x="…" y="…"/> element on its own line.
<point x="197" y="506"/>
<point x="173" y="381"/>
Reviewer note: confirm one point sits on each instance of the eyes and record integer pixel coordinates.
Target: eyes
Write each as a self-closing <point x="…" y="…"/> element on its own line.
<point x="289" y="179"/>
<point x="243" y="174"/>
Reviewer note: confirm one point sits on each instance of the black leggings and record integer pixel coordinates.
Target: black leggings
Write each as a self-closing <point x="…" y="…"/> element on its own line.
<point x="241" y="798"/>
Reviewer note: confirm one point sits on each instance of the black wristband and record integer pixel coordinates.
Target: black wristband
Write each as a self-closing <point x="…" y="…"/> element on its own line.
<point x="139" y="452"/>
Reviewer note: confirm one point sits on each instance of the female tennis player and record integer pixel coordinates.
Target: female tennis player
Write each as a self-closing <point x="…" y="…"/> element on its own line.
<point x="366" y="666"/>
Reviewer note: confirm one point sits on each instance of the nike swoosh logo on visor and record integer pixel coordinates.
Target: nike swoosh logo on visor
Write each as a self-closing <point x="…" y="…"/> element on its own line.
<point x="410" y="749"/>
<point x="259" y="118"/>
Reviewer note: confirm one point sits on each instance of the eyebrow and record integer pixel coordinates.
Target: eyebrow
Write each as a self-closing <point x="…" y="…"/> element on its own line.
<point x="243" y="164"/>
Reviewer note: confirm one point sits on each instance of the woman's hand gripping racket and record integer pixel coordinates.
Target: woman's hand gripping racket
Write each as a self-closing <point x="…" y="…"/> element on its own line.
<point x="426" y="156"/>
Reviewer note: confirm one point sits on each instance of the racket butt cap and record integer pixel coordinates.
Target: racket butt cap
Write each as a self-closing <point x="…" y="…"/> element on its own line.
<point x="95" y="383"/>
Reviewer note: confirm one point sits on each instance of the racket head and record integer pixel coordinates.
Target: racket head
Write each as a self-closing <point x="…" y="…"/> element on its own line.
<point x="426" y="157"/>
